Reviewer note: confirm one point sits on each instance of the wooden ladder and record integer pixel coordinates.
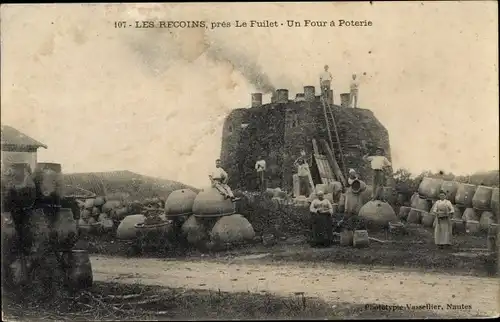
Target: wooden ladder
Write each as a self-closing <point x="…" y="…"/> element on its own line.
<point x="334" y="142"/>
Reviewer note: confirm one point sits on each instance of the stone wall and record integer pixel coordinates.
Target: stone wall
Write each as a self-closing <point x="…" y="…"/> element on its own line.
<point x="281" y="131"/>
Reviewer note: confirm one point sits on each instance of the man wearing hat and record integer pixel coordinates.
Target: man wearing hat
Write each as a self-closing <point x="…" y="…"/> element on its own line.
<point x="378" y="163"/>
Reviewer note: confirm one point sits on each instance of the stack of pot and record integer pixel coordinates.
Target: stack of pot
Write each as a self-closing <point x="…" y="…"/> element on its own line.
<point x="95" y="215"/>
<point x="214" y="222"/>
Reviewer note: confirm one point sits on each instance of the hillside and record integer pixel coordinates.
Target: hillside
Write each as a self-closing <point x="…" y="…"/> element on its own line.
<point x="133" y="185"/>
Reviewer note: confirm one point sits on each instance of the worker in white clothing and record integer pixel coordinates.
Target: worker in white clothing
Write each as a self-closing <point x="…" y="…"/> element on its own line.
<point x="325" y="80"/>
<point x="260" y="167"/>
<point x="353" y="96"/>
<point x="379" y="163"/>
<point x="219" y="179"/>
<point x="303" y="173"/>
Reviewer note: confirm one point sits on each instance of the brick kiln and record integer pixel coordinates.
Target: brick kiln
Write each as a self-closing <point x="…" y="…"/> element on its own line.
<point x="278" y="131"/>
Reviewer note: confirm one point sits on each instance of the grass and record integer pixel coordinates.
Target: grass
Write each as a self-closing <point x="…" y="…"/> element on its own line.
<point x="112" y="301"/>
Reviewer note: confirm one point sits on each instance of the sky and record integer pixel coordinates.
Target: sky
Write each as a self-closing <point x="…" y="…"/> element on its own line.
<point x="153" y="101"/>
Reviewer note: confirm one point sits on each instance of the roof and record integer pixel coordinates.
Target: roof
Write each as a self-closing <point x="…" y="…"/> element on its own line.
<point x="11" y="136"/>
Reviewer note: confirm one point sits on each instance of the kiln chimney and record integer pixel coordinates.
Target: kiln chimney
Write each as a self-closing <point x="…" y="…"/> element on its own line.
<point x="256" y="99"/>
<point x="274" y="97"/>
<point x="309" y="93"/>
<point x="282" y="96"/>
<point x="344" y="99"/>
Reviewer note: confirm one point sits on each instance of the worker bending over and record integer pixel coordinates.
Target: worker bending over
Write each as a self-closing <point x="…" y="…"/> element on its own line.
<point x="219" y="179"/>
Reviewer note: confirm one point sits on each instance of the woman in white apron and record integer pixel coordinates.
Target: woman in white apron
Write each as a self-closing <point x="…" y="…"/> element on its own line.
<point x="443" y="209"/>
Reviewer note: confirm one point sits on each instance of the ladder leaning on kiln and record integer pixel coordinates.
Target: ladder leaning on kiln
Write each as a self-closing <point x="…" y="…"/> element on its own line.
<point x="333" y="148"/>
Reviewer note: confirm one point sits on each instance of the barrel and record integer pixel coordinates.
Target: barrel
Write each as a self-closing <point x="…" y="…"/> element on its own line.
<point x="18" y="187"/>
<point x="487" y="218"/>
<point x="470" y="214"/>
<point x="450" y="188"/>
<point x="429" y="187"/>
<point x="49" y="182"/>
<point x="404" y="212"/>
<point x="414" y="216"/>
<point x="428" y="219"/>
<point x="482" y="198"/>
<point x="465" y="193"/>
<point x="78" y="269"/>
<point x="64" y="229"/>
<point x="346" y="238"/>
<point x="495" y="201"/>
<point x="360" y="238"/>
<point x="472" y="227"/>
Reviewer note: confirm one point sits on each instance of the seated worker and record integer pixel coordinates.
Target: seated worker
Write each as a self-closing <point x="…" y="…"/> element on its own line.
<point x="219" y="179"/>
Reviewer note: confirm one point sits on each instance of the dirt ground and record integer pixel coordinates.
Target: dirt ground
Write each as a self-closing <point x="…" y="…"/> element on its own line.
<point x="327" y="281"/>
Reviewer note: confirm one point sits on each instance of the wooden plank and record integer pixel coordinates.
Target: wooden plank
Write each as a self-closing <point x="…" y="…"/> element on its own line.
<point x="333" y="163"/>
<point x="315" y="147"/>
<point x="324" y="169"/>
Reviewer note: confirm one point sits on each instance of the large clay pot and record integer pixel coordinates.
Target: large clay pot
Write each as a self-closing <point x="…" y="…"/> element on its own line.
<point x="127" y="229"/>
<point x="210" y="203"/>
<point x="421" y="204"/>
<point x="106" y="222"/>
<point x="195" y="231"/>
<point x="18" y="187"/>
<point x="470" y="215"/>
<point x="78" y="269"/>
<point x="413" y="197"/>
<point x="49" y="182"/>
<point x="232" y="229"/>
<point x="64" y="229"/>
<point x="429" y="187"/>
<point x="487" y="218"/>
<point x="495" y="201"/>
<point x="99" y="201"/>
<point x="451" y="188"/>
<point x="180" y="203"/>
<point x="119" y="214"/>
<point x="414" y="216"/>
<point x="482" y="198"/>
<point x="389" y="195"/>
<point x="465" y="193"/>
<point x="378" y="214"/>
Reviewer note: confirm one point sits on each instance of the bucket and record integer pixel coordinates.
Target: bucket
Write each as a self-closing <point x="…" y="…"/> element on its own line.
<point x="414" y="216"/>
<point x="346" y="238"/>
<point x="360" y="238"/>
<point x="78" y="269"/>
<point x="427" y="219"/>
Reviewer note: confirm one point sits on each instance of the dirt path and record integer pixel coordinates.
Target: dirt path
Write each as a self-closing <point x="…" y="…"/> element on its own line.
<point x="335" y="283"/>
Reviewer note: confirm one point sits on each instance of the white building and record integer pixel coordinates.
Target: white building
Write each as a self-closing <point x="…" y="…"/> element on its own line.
<point x="18" y="147"/>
